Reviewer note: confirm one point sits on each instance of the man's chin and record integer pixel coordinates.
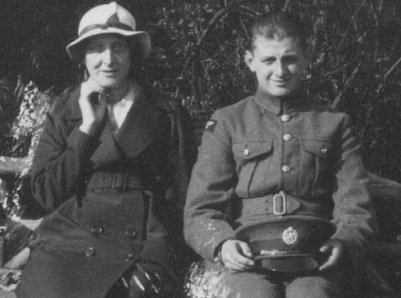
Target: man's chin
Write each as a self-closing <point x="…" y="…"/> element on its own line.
<point x="283" y="93"/>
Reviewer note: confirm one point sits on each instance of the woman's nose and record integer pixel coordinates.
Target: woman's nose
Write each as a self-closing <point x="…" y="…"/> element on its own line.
<point x="108" y="56"/>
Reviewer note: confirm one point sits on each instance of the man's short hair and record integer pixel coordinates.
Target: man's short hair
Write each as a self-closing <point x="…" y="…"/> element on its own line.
<point x="278" y="25"/>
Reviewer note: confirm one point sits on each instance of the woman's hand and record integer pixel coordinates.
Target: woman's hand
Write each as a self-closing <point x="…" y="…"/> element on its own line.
<point x="334" y="249"/>
<point x="92" y="103"/>
<point x="236" y="255"/>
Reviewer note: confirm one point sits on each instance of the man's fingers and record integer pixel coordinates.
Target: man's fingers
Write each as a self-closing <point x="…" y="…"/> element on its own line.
<point x="246" y="250"/>
<point x="237" y="255"/>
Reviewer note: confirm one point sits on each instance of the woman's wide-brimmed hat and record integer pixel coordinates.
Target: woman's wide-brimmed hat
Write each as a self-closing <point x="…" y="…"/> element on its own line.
<point x="108" y="19"/>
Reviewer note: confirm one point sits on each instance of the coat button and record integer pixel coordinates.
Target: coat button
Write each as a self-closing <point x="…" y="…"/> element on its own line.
<point x="285" y="168"/>
<point x="96" y="230"/>
<point x="323" y="150"/>
<point x="131" y="234"/>
<point x="287" y="137"/>
<point x="246" y="151"/>
<point x="130" y="257"/>
<point x="285" y="118"/>
<point x="90" y="251"/>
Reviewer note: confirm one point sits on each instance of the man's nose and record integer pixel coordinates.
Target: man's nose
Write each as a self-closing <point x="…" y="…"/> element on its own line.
<point x="281" y="69"/>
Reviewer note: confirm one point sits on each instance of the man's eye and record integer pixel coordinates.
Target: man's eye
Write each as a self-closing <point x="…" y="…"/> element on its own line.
<point x="269" y="61"/>
<point x="290" y="59"/>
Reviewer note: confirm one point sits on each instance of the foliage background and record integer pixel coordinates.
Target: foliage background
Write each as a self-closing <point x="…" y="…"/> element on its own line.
<point x="197" y="53"/>
<point x="197" y="57"/>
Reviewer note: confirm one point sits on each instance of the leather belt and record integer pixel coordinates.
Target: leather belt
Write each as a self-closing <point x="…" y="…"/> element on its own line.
<point x="280" y="203"/>
<point x="276" y="204"/>
<point x="117" y="181"/>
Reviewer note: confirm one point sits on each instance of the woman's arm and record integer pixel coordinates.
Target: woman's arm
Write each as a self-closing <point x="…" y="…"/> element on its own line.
<point x="61" y="161"/>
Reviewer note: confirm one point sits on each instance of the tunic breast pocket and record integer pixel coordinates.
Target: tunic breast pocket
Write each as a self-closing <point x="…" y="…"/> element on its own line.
<point x="252" y="160"/>
<point x="316" y="162"/>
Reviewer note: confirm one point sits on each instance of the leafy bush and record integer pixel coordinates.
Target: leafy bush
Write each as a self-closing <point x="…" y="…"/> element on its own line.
<point x="197" y="57"/>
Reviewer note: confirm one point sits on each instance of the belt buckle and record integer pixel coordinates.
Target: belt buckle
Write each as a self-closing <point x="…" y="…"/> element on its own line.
<point x="280" y="197"/>
<point x="124" y="183"/>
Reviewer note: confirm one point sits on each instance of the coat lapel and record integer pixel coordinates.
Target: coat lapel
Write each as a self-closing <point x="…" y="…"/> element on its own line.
<point x="143" y="124"/>
<point x="107" y="150"/>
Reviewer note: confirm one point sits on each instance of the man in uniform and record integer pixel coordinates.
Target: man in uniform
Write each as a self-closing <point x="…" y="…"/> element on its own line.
<point x="272" y="157"/>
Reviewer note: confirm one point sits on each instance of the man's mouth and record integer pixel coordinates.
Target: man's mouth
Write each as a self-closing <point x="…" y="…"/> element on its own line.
<point x="280" y="83"/>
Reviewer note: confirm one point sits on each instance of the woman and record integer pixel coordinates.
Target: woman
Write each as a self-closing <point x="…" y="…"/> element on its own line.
<point x="109" y="157"/>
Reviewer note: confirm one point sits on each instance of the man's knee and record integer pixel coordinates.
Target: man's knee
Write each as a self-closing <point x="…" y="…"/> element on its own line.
<point x="313" y="287"/>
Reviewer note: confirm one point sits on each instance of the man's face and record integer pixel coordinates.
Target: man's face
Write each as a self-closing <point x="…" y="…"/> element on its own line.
<point x="278" y="64"/>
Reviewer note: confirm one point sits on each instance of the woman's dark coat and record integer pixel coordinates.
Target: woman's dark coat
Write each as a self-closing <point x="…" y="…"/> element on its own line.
<point x="97" y="230"/>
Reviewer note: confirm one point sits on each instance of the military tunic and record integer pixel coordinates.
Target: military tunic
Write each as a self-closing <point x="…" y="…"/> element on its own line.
<point x="262" y="146"/>
<point x="106" y="196"/>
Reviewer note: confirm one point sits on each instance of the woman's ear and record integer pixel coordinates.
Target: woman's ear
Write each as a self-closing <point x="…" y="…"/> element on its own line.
<point x="249" y="59"/>
<point x="83" y="71"/>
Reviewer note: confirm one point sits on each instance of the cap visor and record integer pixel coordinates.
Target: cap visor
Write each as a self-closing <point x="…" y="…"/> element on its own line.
<point x="287" y="264"/>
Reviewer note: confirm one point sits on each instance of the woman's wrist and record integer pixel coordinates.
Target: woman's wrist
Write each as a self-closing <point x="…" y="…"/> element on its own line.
<point x="89" y="129"/>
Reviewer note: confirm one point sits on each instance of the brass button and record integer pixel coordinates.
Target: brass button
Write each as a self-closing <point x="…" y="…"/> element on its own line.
<point x="246" y="151"/>
<point x="96" y="230"/>
<point x="323" y="150"/>
<point x="130" y="234"/>
<point x="285" y="168"/>
<point x="90" y="251"/>
<point x="285" y="118"/>
<point x="287" y="137"/>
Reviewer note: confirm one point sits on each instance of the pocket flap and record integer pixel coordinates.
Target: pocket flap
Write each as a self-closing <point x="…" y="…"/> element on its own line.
<point x="252" y="149"/>
<point x="317" y="147"/>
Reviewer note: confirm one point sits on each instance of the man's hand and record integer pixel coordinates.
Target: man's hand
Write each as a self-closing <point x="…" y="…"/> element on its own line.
<point x="334" y="249"/>
<point x="236" y="255"/>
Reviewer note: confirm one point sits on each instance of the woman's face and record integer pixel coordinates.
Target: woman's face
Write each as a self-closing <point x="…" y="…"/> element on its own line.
<point x="108" y="60"/>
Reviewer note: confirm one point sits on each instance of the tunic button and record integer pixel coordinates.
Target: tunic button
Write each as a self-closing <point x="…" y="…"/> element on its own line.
<point x="287" y="137"/>
<point x="285" y="118"/>
<point x="96" y="230"/>
<point x="324" y="150"/>
<point x="285" y="169"/>
<point x="130" y="234"/>
<point x="90" y="251"/>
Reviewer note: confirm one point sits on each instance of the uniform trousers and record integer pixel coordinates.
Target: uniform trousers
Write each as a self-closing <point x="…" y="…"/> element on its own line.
<point x="336" y="283"/>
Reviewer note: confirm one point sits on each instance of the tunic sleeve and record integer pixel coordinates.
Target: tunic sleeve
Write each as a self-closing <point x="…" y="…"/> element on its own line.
<point x="353" y="208"/>
<point x="206" y="213"/>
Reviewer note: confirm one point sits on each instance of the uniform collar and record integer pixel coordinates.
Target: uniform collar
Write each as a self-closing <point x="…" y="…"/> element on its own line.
<point x="280" y="106"/>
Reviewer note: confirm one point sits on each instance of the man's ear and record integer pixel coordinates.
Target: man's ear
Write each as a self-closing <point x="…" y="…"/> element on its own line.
<point x="249" y="59"/>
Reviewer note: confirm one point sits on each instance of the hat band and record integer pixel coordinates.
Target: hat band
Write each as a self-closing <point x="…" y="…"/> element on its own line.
<point x="106" y="26"/>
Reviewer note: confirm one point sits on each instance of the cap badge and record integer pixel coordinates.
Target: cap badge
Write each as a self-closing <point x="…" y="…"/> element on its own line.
<point x="290" y="236"/>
